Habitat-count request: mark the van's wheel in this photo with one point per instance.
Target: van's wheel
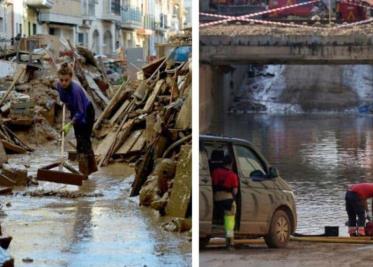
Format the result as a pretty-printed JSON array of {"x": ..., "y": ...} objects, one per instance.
[
  {"x": 279, "y": 232},
  {"x": 203, "y": 242}
]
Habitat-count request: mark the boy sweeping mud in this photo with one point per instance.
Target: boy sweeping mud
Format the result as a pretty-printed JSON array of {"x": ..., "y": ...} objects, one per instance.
[{"x": 82, "y": 117}]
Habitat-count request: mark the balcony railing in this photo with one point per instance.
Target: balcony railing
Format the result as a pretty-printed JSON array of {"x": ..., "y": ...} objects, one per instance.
[
  {"x": 111, "y": 10},
  {"x": 162, "y": 24},
  {"x": 89, "y": 8},
  {"x": 131, "y": 18},
  {"x": 40, "y": 3},
  {"x": 149, "y": 22}
]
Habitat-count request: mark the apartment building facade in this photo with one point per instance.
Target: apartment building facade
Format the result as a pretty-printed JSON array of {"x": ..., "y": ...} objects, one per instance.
[
  {"x": 100, "y": 25},
  {"x": 6, "y": 27}
]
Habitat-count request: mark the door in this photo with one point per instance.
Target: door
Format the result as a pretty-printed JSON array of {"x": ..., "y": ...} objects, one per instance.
[
  {"x": 256, "y": 196},
  {"x": 205, "y": 195}
]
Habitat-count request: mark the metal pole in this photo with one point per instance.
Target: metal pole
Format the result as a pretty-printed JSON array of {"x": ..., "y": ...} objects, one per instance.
[
  {"x": 62, "y": 137},
  {"x": 330, "y": 12}
]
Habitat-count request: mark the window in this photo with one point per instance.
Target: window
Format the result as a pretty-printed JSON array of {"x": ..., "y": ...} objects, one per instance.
[
  {"x": 248, "y": 161},
  {"x": 115, "y": 7},
  {"x": 92, "y": 8},
  {"x": 81, "y": 38},
  {"x": 34, "y": 29}
]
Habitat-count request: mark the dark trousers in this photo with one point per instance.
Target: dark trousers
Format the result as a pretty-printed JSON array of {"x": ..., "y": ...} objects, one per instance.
[
  {"x": 355, "y": 207},
  {"x": 220, "y": 208},
  {"x": 83, "y": 133}
]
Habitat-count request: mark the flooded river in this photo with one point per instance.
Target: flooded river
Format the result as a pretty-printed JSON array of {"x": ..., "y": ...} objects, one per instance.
[
  {"x": 317, "y": 154},
  {"x": 107, "y": 230}
]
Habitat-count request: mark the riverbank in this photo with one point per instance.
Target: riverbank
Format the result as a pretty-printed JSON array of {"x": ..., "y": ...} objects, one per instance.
[{"x": 297, "y": 254}]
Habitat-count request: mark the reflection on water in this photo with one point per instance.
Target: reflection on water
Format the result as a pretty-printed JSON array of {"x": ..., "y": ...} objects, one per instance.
[
  {"x": 317, "y": 154},
  {"x": 111, "y": 230}
]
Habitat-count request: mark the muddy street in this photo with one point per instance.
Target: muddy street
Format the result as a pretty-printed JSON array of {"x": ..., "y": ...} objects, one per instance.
[
  {"x": 96, "y": 224},
  {"x": 295, "y": 255}
]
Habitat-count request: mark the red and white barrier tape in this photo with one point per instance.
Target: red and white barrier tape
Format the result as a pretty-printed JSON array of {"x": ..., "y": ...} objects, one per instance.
[
  {"x": 353, "y": 24},
  {"x": 357, "y": 3},
  {"x": 275, "y": 23},
  {"x": 233, "y": 18}
]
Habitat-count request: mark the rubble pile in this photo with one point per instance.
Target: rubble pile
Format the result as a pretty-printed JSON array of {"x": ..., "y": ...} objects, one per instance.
[
  {"x": 145, "y": 122},
  {"x": 148, "y": 122}
]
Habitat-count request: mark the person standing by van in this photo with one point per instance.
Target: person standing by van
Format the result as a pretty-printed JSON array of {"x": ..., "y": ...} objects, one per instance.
[
  {"x": 225, "y": 185},
  {"x": 357, "y": 206}
]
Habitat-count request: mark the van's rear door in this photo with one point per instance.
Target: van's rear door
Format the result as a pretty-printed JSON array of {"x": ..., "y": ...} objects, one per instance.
[{"x": 205, "y": 195}]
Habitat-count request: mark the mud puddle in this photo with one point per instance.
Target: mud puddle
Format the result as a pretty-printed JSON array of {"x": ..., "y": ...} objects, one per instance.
[{"x": 96, "y": 224}]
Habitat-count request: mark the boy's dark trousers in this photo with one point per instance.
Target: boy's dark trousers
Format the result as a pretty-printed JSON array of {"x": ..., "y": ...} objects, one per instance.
[{"x": 83, "y": 132}]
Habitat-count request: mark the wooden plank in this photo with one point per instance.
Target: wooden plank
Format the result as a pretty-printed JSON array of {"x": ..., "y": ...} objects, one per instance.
[
  {"x": 123, "y": 135},
  {"x": 181, "y": 193},
  {"x": 129, "y": 143},
  {"x": 150, "y": 68},
  {"x": 122, "y": 132},
  {"x": 5, "y": 190},
  {"x": 151, "y": 99},
  {"x": 93, "y": 85},
  {"x": 119, "y": 94},
  {"x": 184, "y": 117},
  {"x": 12, "y": 148},
  {"x": 119, "y": 112},
  {"x": 139, "y": 145},
  {"x": 15, "y": 138},
  {"x": 6, "y": 181},
  {"x": 59, "y": 177},
  {"x": 104, "y": 144}
]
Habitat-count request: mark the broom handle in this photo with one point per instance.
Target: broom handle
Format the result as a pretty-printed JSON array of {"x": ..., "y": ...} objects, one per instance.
[{"x": 63, "y": 134}]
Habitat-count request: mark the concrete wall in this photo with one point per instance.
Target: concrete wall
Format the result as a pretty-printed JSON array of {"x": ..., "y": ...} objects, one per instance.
[
  {"x": 67, "y": 7},
  {"x": 205, "y": 97},
  {"x": 347, "y": 54},
  {"x": 217, "y": 87}
]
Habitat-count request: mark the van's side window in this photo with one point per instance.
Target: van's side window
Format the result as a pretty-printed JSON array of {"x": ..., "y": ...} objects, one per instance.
[{"x": 247, "y": 161}]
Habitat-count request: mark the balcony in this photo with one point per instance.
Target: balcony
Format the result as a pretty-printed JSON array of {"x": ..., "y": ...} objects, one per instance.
[
  {"x": 40, "y": 4},
  {"x": 162, "y": 24},
  {"x": 88, "y": 9},
  {"x": 111, "y": 10},
  {"x": 149, "y": 22},
  {"x": 131, "y": 18}
]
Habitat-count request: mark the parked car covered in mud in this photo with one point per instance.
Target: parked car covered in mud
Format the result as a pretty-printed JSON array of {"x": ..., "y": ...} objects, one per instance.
[{"x": 265, "y": 202}]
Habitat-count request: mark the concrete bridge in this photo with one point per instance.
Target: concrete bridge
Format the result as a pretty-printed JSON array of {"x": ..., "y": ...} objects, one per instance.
[
  {"x": 224, "y": 48},
  {"x": 224, "y": 44}
]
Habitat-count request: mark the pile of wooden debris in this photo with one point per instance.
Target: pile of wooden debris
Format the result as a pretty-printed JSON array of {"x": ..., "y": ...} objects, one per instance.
[{"x": 148, "y": 122}]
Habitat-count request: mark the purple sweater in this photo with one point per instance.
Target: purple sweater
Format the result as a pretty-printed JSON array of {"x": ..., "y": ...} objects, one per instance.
[{"x": 76, "y": 101}]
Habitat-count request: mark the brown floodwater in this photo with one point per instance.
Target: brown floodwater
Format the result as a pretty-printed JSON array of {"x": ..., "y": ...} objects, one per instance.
[{"x": 109, "y": 230}]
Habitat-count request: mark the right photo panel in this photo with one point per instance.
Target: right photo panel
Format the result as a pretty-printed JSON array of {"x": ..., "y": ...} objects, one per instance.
[{"x": 286, "y": 133}]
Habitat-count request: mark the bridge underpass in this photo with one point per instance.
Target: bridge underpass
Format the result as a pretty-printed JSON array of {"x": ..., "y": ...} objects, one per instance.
[{"x": 223, "y": 46}]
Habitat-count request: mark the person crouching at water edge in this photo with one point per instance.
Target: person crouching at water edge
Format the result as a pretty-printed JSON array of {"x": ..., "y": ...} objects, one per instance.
[
  {"x": 357, "y": 206},
  {"x": 82, "y": 117}
]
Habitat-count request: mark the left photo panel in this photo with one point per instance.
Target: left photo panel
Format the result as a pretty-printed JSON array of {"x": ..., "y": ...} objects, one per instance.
[{"x": 96, "y": 133}]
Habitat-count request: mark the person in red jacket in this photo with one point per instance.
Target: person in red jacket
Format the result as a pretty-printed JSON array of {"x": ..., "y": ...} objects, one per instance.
[
  {"x": 357, "y": 206},
  {"x": 225, "y": 185}
]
